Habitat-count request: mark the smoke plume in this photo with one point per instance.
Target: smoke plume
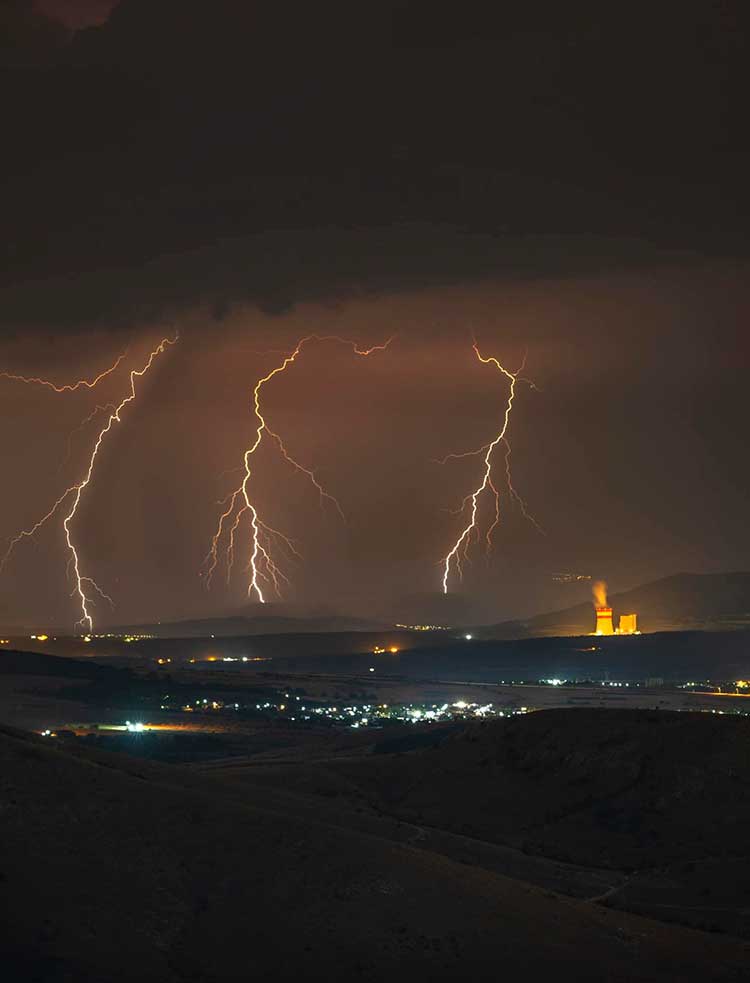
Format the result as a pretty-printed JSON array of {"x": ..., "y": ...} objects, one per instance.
[{"x": 599, "y": 590}]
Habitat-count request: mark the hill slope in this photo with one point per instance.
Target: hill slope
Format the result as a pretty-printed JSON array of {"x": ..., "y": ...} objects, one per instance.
[
  {"x": 654, "y": 797},
  {"x": 620, "y": 788},
  {"x": 101, "y": 850},
  {"x": 14, "y": 662}
]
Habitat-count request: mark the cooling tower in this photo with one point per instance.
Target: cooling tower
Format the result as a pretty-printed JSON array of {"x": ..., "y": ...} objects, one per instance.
[
  {"x": 604, "y": 621},
  {"x": 628, "y": 624}
]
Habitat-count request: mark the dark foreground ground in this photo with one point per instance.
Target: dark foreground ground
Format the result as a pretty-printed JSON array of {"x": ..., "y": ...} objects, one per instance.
[{"x": 507, "y": 850}]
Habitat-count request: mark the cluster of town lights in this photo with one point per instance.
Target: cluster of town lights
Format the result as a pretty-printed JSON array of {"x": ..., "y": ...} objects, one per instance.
[{"x": 354, "y": 715}]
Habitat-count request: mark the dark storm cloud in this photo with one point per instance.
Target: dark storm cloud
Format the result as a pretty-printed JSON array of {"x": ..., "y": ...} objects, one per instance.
[
  {"x": 76, "y": 14},
  {"x": 276, "y": 271},
  {"x": 185, "y": 128},
  {"x": 26, "y": 38}
]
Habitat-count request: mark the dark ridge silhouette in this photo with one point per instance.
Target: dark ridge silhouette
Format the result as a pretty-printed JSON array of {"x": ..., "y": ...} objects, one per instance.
[
  {"x": 237, "y": 625},
  {"x": 22, "y": 663}
]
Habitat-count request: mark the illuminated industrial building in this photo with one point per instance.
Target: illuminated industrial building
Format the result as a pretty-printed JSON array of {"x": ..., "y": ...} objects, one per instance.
[
  {"x": 628, "y": 624},
  {"x": 604, "y": 620}
]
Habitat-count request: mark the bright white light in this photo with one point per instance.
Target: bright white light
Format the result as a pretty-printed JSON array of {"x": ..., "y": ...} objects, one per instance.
[{"x": 468, "y": 637}]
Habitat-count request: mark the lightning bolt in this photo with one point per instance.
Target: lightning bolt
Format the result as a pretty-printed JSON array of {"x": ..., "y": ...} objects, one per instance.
[
  {"x": 74, "y": 492},
  {"x": 68, "y": 387},
  {"x": 81, "y": 426},
  {"x": 514, "y": 494},
  {"x": 261, "y": 565},
  {"x": 460, "y": 550}
]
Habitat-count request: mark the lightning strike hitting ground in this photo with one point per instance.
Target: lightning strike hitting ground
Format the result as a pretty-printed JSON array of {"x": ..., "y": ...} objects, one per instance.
[
  {"x": 68, "y": 387},
  {"x": 261, "y": 565},
  {"x": 460, "y": 549},
  {"x": 75, "y": 491}
]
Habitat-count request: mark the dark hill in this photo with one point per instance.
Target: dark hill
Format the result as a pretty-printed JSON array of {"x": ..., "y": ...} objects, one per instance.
[
  {"x": 115, "y": 869},
  {"x": 617, "y": 788},
  {"x": 682, "y": 602},
  {"x": 15, "y": 663}
]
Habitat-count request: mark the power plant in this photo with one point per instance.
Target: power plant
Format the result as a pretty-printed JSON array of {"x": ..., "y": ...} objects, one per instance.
[
  {"x": 628, "y": 624},
  {"x": 604, "y": 621}
]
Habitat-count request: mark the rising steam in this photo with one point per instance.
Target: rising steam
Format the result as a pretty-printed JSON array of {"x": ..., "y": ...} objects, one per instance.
[{"x": 599, "y": 590}]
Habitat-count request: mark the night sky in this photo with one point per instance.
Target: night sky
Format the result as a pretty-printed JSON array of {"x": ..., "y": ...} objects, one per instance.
[{"x": 565, "y": 181}]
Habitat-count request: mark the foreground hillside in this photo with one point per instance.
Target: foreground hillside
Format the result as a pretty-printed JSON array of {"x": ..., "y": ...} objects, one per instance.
[
  {"x": 621, "y": 788},
  {"x": 117, "y": 869},
  {"x": 658, "y": 799}
]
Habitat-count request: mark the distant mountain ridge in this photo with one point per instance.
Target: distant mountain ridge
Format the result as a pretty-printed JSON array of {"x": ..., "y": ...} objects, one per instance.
[
  {"x": 683, "y": 601},
  {"x": 680, "y": 602},
  {"x": 239, "y": 625}
]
